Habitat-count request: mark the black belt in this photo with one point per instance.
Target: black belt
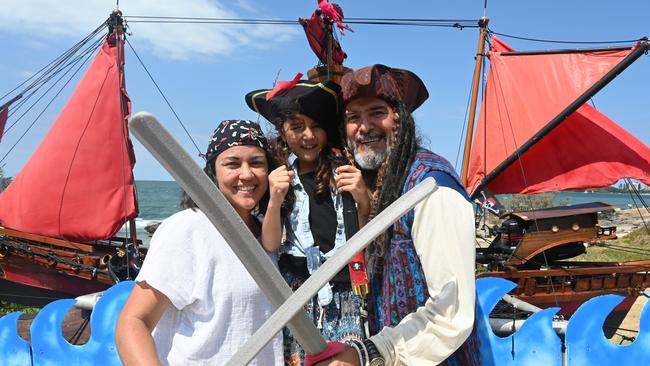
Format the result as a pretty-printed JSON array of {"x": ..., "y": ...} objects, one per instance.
[{"x": 298, "y": 267}]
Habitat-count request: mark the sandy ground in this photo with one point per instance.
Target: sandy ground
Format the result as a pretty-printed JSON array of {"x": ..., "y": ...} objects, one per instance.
[{"x": 629, "y": 328}]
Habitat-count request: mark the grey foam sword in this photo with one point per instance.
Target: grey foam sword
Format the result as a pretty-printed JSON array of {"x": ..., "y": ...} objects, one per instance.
[{"x": 192, "y": 179}]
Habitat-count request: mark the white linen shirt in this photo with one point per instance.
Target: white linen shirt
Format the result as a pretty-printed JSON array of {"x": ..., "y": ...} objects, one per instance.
[{"x": 216, "y": 305}]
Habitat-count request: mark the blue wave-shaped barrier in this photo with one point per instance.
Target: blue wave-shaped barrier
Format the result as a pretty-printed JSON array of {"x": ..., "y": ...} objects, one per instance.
[
  {"x": 49, "y": 348},
  {"x": 535, "y": 343}
]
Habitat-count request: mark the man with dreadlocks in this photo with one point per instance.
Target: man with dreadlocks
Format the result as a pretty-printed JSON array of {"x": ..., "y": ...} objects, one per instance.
[{"x": 421, "y": 301}]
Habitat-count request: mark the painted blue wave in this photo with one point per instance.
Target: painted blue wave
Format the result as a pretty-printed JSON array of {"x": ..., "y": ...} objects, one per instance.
[
  {"x": 536, "y": 343},
  {"x": 49, "y": 348}
]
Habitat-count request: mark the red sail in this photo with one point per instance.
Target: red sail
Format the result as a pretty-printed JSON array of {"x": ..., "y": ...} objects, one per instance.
[
  {"x": 523, "y": 94},
  {"x": 78, "y": 185}
]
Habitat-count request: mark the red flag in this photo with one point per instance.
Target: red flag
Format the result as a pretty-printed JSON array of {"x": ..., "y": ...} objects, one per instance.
[
  {"x": 4, "y": 114},
  {"x": 317, "y": 37},
  {"x": 525, "y": 92}
]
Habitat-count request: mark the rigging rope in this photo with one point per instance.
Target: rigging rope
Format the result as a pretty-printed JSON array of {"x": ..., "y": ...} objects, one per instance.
[
  {"x": 643, "y": 203},
  {"x": 72, "y": 62},
  {"x": 561, "y": 41},
  {"x": 163, "y": 96},
  {"x": 56, "y": 62},
  {"x": 87, "y": 57},
  {"x": 416, "y": 22},
  {"x": 413, "y": 22}
]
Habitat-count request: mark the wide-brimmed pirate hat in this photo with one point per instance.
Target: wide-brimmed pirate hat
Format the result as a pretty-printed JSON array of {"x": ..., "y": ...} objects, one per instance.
[
  {"x": 385, "y": 82},
  {"x": 321, "y": 101}
]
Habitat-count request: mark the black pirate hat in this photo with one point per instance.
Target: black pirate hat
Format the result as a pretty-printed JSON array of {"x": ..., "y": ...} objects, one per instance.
[{"x": 321, "y": 101}]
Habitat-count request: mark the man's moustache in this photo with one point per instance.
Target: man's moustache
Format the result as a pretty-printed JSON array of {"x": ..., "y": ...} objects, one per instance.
[{"x": 369, "y": 136}]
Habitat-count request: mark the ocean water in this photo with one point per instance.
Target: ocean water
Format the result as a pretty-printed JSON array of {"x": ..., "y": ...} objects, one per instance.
[
  {"x": 157, "y": 200},
  {"x": 160, "y": 199},
  {"x": 621, "y": 200}
]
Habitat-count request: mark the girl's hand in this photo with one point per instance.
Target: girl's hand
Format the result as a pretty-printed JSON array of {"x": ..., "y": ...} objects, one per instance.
[
  {"x": 350, "y": 179},
  {"x": 279, "y": 183}
]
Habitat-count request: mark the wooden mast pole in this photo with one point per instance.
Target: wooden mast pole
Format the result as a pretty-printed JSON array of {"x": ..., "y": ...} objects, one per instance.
[
  {"x": 118, "y": 24},
  {"x": 483, "y": 23}
]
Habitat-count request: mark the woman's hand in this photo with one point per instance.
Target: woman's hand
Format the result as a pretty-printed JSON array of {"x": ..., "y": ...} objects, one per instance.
[
  {"x": 279, "y": 183},
  {"x": 350, "y": 179}
]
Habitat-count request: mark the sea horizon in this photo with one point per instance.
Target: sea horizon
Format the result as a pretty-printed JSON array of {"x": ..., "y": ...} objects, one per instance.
[{"x": 159, "y": 199}]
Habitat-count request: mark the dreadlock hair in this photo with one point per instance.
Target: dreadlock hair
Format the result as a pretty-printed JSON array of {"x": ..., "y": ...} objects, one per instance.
[
  {"x": 390, "y": 178},
  {"x": 188, "y": 202}
]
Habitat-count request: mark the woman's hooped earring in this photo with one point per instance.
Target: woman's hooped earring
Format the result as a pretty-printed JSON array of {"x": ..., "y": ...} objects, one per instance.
[
  {"x": 284, "y": 146},
  {"x": 396, "y": 117}
]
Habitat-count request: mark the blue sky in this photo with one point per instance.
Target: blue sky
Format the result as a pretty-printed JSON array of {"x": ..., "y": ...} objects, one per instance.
[{"x": 205, "y": 70}]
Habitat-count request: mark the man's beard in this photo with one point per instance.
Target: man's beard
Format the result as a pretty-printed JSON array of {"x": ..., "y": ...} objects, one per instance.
[{"x": 367, "y": 158}]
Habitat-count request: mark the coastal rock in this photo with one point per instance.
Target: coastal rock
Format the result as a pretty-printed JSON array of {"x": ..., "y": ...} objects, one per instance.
[{"x": 151, "y": 228}]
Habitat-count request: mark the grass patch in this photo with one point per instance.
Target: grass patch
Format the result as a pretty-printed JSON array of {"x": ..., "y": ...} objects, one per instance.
[
  {"x": 632, "y": 247},
  {"x": 7, "y": 307}
]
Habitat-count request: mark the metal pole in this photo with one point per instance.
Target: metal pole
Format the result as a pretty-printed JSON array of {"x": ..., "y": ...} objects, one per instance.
[
  {"x": 204, "y": 192},
  {"x": 331, "y": 267}
]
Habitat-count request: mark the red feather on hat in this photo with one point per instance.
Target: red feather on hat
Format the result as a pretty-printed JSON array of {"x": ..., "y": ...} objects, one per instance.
[{"x": 283, "y": 85}]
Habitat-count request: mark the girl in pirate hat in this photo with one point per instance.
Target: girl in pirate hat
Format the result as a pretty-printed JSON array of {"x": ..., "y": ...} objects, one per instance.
[{"x": 304, "y": 218}]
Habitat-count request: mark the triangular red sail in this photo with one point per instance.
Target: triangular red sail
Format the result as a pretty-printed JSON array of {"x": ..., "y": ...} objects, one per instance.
[
  {"x": 78, "y": 184},
  {"x": 523, "y": 94}
]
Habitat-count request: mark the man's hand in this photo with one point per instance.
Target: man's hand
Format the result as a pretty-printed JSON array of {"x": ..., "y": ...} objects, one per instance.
[
  {"x": 350, "y": 179},
  {"x": 349, "y": 357}
]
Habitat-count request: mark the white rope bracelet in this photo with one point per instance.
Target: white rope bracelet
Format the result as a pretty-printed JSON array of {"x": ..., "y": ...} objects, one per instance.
[{"x": 353, "y": 344}]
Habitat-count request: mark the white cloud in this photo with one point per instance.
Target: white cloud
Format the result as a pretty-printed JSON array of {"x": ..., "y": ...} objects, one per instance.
[{"x": 49, "y": 19}]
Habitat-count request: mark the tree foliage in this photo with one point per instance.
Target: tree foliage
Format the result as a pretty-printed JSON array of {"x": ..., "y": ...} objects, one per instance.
[
  {"x": 523, "y": 202},
  {"x": 4, "y": 182}
]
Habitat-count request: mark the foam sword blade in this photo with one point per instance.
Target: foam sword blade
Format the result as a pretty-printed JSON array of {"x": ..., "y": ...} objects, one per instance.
[
  {"x": 331, "y": 267},
  {"x": 160, "y": 143}
]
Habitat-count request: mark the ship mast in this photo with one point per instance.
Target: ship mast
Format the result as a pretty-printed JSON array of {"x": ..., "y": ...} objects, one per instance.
[
  {"x": 483, "y": 23},
  {"x": 116, "y": 27}
]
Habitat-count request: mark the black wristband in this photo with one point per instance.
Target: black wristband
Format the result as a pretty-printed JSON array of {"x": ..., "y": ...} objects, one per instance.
[{"x": 374, "y": 357}]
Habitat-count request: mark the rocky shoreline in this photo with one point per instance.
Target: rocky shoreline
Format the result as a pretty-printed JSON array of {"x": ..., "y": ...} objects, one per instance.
[{"x": 626, "y": 221}]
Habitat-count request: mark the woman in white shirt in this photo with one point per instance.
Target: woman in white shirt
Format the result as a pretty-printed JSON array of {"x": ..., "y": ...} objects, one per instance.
[{"x": 194, "y": 303}]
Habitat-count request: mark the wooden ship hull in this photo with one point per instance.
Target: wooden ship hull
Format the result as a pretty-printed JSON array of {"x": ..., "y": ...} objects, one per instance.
[
  {"x": 533, "y": 249},
  {"x": 37, "y": 270}
]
